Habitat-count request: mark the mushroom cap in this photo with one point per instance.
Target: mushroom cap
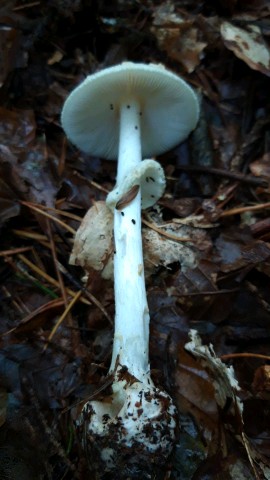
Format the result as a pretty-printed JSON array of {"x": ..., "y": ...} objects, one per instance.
[{"x": 169, "y": 109}]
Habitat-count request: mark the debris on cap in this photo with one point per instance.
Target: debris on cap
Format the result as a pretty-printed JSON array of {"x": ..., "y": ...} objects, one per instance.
[{"x": 149, "y": 176}]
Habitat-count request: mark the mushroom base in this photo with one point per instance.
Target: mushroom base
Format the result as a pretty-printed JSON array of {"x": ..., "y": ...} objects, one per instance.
[{"x": 130, "y": 432}]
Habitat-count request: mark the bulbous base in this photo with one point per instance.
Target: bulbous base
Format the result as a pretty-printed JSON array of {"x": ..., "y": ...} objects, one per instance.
[{"x": 130, "y": 432}]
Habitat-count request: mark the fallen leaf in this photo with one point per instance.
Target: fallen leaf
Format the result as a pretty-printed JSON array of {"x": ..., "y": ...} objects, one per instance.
[
  {"x": 93, "y": 244},
  {"x": 261, "y": 381},
  {"x": 55, "y": 58},
  {"x": 261, "y": 167},
  {"x": 17, "y": 128},
  {"x": 222, "y": 377},
  {"x": 226, "y": 390},
  {"x": 248, "y": 45},
  {"x": 178, "y": 37}
]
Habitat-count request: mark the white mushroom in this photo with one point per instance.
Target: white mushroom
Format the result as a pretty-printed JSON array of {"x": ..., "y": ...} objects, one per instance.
[
  {"x": 126, "y": 112},
  {"x": 96, "y": 114}
]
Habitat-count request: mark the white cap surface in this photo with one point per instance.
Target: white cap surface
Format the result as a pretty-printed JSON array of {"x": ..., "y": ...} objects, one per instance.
[{"x": 169, "y": 109}]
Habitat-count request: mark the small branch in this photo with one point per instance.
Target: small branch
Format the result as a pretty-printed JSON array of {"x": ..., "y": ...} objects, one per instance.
[
  {"x": 205, "y": 293},
  {"x": 86, "y": 292},
  {"x": 251, "y": 208},
  {"x": 228, "y": 356},
  {"x": 66, "y": 315},
  {"x": 164, "y": 233},
  {"x": 14, "y": 251},
  {"x": 91, "y": 182},
  {"x": 63, "y": 213},
  {"x": 241, "y": 177},
  {"x": 47, "y": 277},
  {"x": 27, "y": 5},
  {"x": 62, "y": 317},
  {"x": 54, "y": 219}
]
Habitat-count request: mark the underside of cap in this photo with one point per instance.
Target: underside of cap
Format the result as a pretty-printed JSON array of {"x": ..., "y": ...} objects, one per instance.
[{"x": 169, "y": 109}]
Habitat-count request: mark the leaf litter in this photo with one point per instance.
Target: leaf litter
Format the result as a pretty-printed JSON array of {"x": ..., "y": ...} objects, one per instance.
[{"x": 206, "y": 243}]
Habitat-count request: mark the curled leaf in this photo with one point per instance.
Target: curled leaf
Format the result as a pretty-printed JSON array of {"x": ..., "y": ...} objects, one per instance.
[{"x": 248, "y": 45}]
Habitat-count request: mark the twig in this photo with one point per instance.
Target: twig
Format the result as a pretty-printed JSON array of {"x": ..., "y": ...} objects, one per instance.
[
  {"x": 241, "y": 177},
  {"x": 228, "y": 356},
  {"x": 58, "y": 302},
  {"x": 55, "y": 219},
  {"x": 66, "y": 314},
  {"x": 62, "y": 158},
  {"x": 205, "y": 293},
  {"x": 55, "y": 261},
  {"x": 32, "y": 235},
  {"x": 16, "y": 301},
  {"x": 91, "y": 182},
  {"x": 58, "y": 211},
  {"x": 164, "y": 233},
  {"x": 251, "y": 208},
  {"x": 86, "y": 292},
  {"x": 62, "y": 318},
  {"x": 27, "y": 5},
  {"x": 14, "y": 251},
  {"x": 47, "y": 277}
]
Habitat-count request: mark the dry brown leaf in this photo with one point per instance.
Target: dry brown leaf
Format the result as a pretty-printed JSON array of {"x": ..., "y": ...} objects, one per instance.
[
  {"x": 55, "y": 58},
  {"x": 225, "y": 386},
  {"x": 248, "y": 45},
  {"x": 17, "y": 128},
  {"x": 261, "y": 381},
  {"x": 178, "y": 37},
  {"x": 261, "y": 167},
  {"x": 222, "y": 377},
  {"x": 93, "y": 244},
  {"x": 195, "y": 392}
]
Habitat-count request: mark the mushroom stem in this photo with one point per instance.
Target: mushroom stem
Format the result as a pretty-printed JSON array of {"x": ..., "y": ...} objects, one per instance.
[
  {"x": 129, "y": 153},
  {"x": 131, "y": 336},
  {"x": 134, "y": 427}
]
